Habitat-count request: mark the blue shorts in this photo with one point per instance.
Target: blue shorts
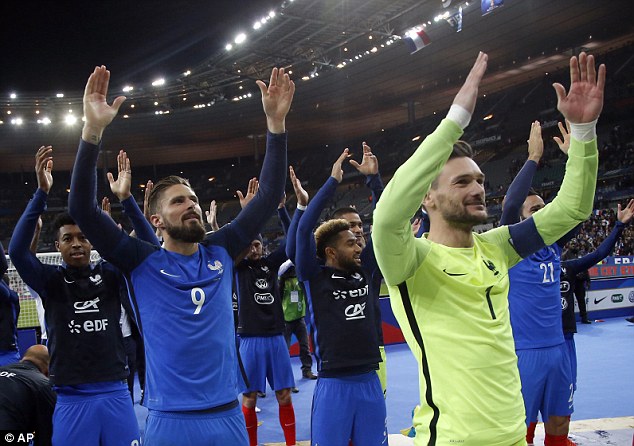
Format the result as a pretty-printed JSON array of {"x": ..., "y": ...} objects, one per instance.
[
  {"x": 572, "y": 354},
  {"x": 9, "y": 357},
  {"x": 266, "y": 358},
  {"x": 349, "y": 408},
  {"x": 95, "y": 419},
  {"x": 196, "y": 428},
  {"x": 546, "y": 381}
]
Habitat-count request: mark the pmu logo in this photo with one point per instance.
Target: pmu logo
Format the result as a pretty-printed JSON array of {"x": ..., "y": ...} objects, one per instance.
[
  {"x": 617, "y": 298},
  {"x": 343, "y": 294},
  {"x": 264, "y": 298},
  {"x": 564, "y": 286},
  {"x": 87, "y": 306},
  {"x": 355, "y": 311},
  {"x": 261, "y": 284}
]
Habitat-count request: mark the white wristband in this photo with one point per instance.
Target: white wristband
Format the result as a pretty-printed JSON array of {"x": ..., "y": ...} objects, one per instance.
[
  {"x": 459, "y": 115},
  {"x": 301, "y": 207},
  {"x": 584, "y": 132}
]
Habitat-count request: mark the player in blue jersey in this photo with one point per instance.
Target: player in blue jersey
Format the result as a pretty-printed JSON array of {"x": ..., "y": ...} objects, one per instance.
[
  {"x": 535, "y": 310},
  {"x": 343, "y": 313},
  {"x": 9, "y": 313},
  {"x": 82, "y": 303},
  {"x": 182, "y": 291}
]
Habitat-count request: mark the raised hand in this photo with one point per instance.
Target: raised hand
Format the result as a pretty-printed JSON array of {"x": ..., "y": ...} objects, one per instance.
[
  {"x": 277, "y": 99},
  {"x": 468, "y": 93},
  {"x": 625, "y": 215},
  {"x": 105, "y": 206},
  {"x": 97, "y": 112},
  {"x": 121, "y": 186},
  {"x": 337, "y": 170},
  {"x": 212, "y": 214},
  {"x": 369, "y": 164},
  {"x": 584, "y": 102},
  {"x": 44, "y": 168},
  {"x": 252, "y": 189},
  {"x": 300, "y": 193},
  {"x": 416, "y": 225},
  {"x": 282, "y": 201},
  {"x": 564, "y": 141},
  {"x": 535, "y": 142},
  {"x": 146, "y": 199}
]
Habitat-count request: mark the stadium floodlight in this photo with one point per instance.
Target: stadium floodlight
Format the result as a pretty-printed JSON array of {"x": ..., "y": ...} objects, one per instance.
[
  {"x": 128, "y": 88},
  {"x": 158, "y": 82},
  {"x": 13, "y": 95},
  {"x": 240, "y": 38},
  {"x": 70, "y": 119},
  {"x": 60, "y": 95},
  {"x": 257, "y": 25},
  {"x": 228, "y": 47}
]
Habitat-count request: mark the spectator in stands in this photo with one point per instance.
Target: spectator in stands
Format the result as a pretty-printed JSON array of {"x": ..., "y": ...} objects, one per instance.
[{"x": 9, "y": 313}]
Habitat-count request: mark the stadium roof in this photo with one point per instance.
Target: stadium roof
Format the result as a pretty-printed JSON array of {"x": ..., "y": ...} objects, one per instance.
[{"x": 360, "y": 76}]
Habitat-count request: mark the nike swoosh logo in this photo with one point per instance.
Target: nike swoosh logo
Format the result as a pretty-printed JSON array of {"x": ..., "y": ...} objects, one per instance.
[
  {"x": 596, "y": 301},
  {"x": 453, "y": 274},
  {"x": 168, "y": 274},
  {"x": 67, "y": 281},
  {"x": 334, "y": 276}
]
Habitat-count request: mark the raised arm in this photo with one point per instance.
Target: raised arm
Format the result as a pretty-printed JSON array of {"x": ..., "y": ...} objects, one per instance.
[
  {"x": 398, "y": 252},
  {"x": 624, "y": 216},
  {"x": 276, "y": 99},
  {"x": 4, "y": 265},
  {"x": 370, "y": 168},
  {"x": 518, "y": 190},
  {"x": 306, "y": 263},
  {"x": 581, "y": 106},
  {"x": 121, "y": 188},
  {"x": 302, "y": 202},
  {"x": 31, "y": 270},
  {"x": 112, "y": 244}
]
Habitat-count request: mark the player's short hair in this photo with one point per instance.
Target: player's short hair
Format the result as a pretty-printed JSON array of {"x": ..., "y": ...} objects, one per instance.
[
  {"x": 327, "y": 233},
  {"x": 531, "y": 191},
  {"x": 159, "y": 187},
  {"x": 461, "y": 149},
  {"x": 340, "y": 212},
  {"x": 62, "y": 219}
]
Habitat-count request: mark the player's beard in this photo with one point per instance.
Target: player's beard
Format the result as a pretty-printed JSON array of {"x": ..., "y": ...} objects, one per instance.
[
  {"x": 348, "y": 264},
  {"x": 457, "y": 213},
  {"x": 188, "y": 232}
]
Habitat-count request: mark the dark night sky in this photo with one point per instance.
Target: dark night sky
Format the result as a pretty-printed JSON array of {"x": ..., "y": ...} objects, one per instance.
[{"x": 53, "y": 45}]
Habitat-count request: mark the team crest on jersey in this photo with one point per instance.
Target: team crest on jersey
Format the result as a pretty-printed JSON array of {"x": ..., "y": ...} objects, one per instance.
[
  {"x": 261, "y": 284},
  {"x": 96, "y": 279},
  {"x": 217, "y": 266},
  {"x": 357, "y": 276},
  {"x": 564, "y": 303},
  {"x": 265, "y": 268}
]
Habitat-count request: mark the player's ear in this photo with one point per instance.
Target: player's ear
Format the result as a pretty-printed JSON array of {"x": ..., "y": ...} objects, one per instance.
[
  {"x": 331, "y": 253},
  {"x": 156, "y": 221},
  {"x": 57, "y": 245}
]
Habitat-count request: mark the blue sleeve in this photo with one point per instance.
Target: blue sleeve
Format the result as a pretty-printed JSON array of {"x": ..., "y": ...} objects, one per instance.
[
  {"x": 306, "y": 263},
  {"x": 31, "y": 270},
  {"x": 525, "y": 238},
  {"x": 375, "y": 184},
  {"x": 285, "y": 218},
  {"x": 368, "y": 259},
  {"x": 517, "y": 193},
  {"x": 8, "y": 295},
  {"x": 424, "y": 224},
  {"x": 143, "y": 229},
  {"x": 236, "y": 236},
  {"x": 604, "y": 250},
  {"x": 4, "y": 265},
  {"x": 279, "y": 256},
  {"x": 114, "y": 245},
  {"x": 291, "y": 235}
]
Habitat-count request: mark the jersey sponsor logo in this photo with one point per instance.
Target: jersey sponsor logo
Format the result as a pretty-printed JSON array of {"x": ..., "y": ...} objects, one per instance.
[
  {"x": 564, "y": 303},
  {"x": 167, "y": 274},
  {"x": 564, "y": 286},
  {"x": 264, "y": 298},
  {"x": 355, "y": 311},
  {"x": 7, "y": 374},
  {"x": 217, "y": 266},
  {"x": 261, "y": 284},
  {"x": 88, "y": 326},
  {"x": 453, "y": 274},
  {"x": 86, "y": 306},
  {"x": 344, "y": 294},
  {"x": 96, "y": 280},
  {"x": 617, "y": 298},
  {"x": 596, "y": 301}
]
